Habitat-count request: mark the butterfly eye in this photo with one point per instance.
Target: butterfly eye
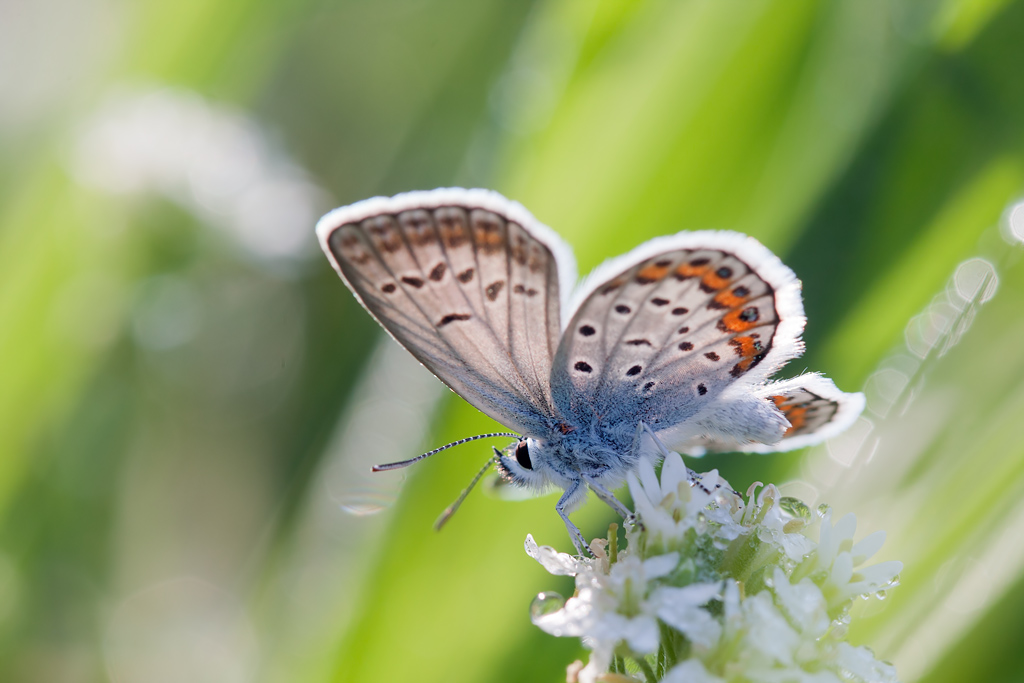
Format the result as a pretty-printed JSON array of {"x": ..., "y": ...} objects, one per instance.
[{"x": 523, "y": 456}]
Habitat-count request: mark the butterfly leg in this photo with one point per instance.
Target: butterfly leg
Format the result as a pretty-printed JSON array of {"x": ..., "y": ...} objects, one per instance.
[
  {"x": 562, "y": 509},
  {"x": 641, "y": 428},
  {"x": 613, "y": 502}
]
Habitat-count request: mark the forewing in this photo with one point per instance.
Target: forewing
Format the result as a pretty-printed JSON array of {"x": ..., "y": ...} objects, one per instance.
[
  {"x": 469, "y": 283},
  {"x": 662, "y": 331},
  {"x": 815, "y": 408}
]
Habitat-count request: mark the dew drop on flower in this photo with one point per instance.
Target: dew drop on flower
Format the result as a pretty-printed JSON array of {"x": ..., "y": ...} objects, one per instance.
[
  {"x": 794, "y": 507},
  {"x": 547, "y": 602},
  {"x": 824, "y": 509}
]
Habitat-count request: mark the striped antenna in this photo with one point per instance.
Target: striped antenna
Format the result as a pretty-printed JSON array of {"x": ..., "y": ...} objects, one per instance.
[
  {"x": 410, "y": 461},
  {"x": 450, "y": 510}
]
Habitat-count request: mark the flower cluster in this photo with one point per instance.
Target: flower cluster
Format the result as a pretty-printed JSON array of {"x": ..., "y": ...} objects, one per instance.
[{"x": 712, "y": 588}]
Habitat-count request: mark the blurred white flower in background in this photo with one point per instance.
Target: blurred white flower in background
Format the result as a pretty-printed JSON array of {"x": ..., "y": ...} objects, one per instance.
[{"x": 210, "y": 159}]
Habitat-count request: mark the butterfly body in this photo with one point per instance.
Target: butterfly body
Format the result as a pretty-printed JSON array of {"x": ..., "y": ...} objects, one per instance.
[{"x": 668, "y": 346}]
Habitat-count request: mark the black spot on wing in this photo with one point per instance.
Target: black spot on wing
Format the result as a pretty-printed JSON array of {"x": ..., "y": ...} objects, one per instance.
[
  {"x": 494, "y": 289},
  {"x": 519, "y": 289},
  {"x": 453, "y": 317},
  {"x": 412, "y": 281}
]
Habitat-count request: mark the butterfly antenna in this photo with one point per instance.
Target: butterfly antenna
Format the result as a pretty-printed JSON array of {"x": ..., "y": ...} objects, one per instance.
[
  {"x": 450, "y": 510},
  {"x": 410, "y": 461}
]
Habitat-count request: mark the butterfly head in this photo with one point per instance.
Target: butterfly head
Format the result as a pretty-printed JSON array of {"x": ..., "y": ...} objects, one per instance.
[{"x": 523, "y": 464}]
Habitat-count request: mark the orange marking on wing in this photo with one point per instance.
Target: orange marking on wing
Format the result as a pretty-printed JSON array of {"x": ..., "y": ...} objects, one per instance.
[
  {"x": 729, "y": 300},
  {"x": 489, "y": 239},
  {"x": 652, "y": 272},
  {"x": 749, "y": 350},
  {"x": 384, "y": 236},
  {"x": 733, "y": 321},
  {"x": 685, "y": 270},
  {"x": 454, "y": 232},
  {"x": 712, "y": 280},
  {"x": 797, "y": 418}
]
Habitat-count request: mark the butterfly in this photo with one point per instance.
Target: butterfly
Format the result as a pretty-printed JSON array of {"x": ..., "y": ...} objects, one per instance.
[{"x": 668, "y": 347}]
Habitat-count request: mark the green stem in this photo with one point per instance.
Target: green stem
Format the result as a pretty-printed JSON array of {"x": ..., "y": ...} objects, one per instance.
[{"x": 649, "y": 674}]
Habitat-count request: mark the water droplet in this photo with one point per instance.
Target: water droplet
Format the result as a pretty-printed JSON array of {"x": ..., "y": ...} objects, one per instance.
[
  {"x": 824, "y": 509},
  {"x": 794, "y": 507},
  {"x": 547, "y": 602},
  {"x": 882, "y": 595}
]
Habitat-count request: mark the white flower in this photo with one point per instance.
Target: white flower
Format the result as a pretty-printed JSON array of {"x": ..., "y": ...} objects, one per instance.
[
  {"x": 838, "y": 557},
  {"x": 609, "y": 608},
  {"x": 719, "y": 588},
  {"x": 681, "y": 608},
  {"x": 802, "y": 603},
  {"x": 674, "y": 505},
  {"x": 773, "y": 524}
]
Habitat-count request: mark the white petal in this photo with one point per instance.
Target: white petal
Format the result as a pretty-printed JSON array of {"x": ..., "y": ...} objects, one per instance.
[
  {"x": 846, "y": 527},
  {"x": 659, "y": 566},
  {"x": 693, "y": 622},
  {"x": 768, "y": 631},
  {"x": 796, "y": 546},
  {"x": 559, "y": 564},
  {"x": 650, "y": 481},
  {"x": 696, "y": 594},
  {"x": 862, "y": 663},
  {"x": 600, "y": 660},
  {"x": 803, "y": 603},
  {"x": 867, "y": 547},
  {"x": 690, "y": 671},
  {"x": 577, "y": 618},
  {"x": 842, "y": 570},
  {"x": 673, "y": 471},
  {"x": 641, "y": 502},
  {"x": 642, "y": 634},
  {"x": 881, "y": 573}
]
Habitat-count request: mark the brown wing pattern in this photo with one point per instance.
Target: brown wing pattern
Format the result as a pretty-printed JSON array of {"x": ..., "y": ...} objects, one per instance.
[
  {"x": 471, "y": 293},
  {"x": 672, "y": 328},
  {"x": 814, "y": 407}
]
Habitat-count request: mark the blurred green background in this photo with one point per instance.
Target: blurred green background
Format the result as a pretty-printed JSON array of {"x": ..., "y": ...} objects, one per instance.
[{"x": 190, "y": 398}]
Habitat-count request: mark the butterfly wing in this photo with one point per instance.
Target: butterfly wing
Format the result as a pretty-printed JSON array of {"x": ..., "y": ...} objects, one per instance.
[
  {"x": 673, "y": 332},
  {"x": 469, "y": 282},
  {"x": 814, "y": 407}
]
